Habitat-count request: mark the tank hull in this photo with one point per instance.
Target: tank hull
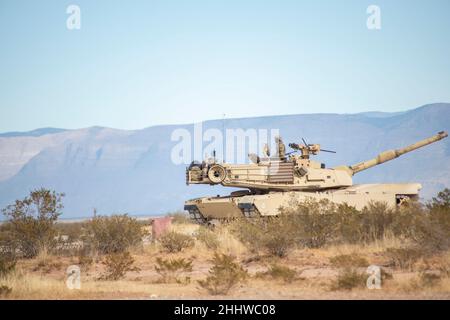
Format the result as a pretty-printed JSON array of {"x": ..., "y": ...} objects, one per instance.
[{"x": 211, "y": 209}]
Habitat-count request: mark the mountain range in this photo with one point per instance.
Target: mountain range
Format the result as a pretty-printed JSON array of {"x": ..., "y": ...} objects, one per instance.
[{"x": 131, "y": 171}]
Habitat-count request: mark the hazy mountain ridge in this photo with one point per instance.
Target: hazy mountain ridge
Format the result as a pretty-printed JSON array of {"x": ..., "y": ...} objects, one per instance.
[
  {"x": 131, "y": 171},
  {"x": 33, "y": 133}
]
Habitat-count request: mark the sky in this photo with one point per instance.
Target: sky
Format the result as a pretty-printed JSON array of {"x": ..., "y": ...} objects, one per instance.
[{"x": 135, "y": 64}]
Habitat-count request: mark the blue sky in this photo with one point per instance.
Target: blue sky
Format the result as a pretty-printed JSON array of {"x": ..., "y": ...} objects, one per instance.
[{"x": 135, "y": 64}]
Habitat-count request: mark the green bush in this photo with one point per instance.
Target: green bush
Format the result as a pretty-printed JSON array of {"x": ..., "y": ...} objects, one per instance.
[
  {"x": 31, "y": 222},
  {"x": 223, "y": 275},
  {"x": 175, "y": 242},
  {"x": 113, "y": 234},
  {"x": 117, "y": 265},
  {"x": 171, "y": 270}
]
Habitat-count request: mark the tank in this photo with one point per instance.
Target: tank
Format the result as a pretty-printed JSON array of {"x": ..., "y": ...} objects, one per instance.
[{"x": 269, "y": 182}]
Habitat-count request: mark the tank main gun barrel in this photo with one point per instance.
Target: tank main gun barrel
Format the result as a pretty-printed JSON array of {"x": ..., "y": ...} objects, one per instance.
[{"x": 392, "y": 154}]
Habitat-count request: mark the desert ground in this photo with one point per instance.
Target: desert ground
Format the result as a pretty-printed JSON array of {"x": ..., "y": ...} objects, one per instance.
[{"x": 314, "y": 277}]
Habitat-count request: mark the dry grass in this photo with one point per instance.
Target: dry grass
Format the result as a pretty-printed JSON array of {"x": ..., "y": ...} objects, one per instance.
[
  {"x": 229, "y": 244},
  {"x": 311, "y": 265}
]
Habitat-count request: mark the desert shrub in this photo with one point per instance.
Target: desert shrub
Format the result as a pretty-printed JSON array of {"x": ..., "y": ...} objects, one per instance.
[
  {"x": 175, "y": 242},
  {"x": 444, "y": 268},
  {"x": 349, "y": 261},
  {"x": 85, "y": 261},
  {"x": 441, "y": 201},
  {"x": 313, "y": 222},
  {"x": 180, "y": 217},
  {"x": 5, "y": 291},
  {"x": 321, "y": 222},
  {"x": 46, "y": 263},
  {"x": 72, "y": 230},
  {"x": 7, "y": 264},
  {"x": 47, "y": 266},
  {"x": 347, "y": 221},
  {"x": 318, "y": 223},
  {"x": 172, "y": 270},
  {"x": 385, "y": 275},
  {"x": 275, "y": 235},
  {"x": 348, "y": 279},
  {"x": 7, "y": 243},
  {"x": 113, "y": 234},
  {"x": 429, "y": 279},
  {"x": 250, "y": 233},
  {"x": 117, "y": 265},
  {"x": 32, "y": 221},
  {"x": 277, "y": 271},
  {"x": 223, "y": 275},
  {"x": 404, "y": 258},
  {"x": 429, "y": 227},
  {"x": 376, "y": 221},
  {"x": 279, "y": 244},
  {"x": 208, "y": 238},
  {"x": 428, "y": 234}
]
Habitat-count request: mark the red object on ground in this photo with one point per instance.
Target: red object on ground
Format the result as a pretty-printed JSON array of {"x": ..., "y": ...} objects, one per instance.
[{"x": 160, "y": 226}]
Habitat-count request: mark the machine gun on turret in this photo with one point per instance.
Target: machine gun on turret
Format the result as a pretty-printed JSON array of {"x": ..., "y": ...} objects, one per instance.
[{"x": 307, "y": 149}]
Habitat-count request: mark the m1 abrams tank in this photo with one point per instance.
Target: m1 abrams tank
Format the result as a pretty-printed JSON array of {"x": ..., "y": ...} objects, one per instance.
[{"x": 271, "y": 182}]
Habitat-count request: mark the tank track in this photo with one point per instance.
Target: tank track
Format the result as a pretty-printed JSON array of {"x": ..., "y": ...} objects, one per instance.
[
  {"x": 251, "y": 213},
  {"x": 196, "y": 216}
]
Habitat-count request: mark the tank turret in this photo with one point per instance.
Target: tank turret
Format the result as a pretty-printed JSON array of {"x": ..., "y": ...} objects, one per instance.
[{"x": 291, "y": 171}]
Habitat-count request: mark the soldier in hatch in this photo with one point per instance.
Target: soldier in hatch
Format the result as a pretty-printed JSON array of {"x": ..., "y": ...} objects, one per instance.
[{"x": 281, "y": 148}]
